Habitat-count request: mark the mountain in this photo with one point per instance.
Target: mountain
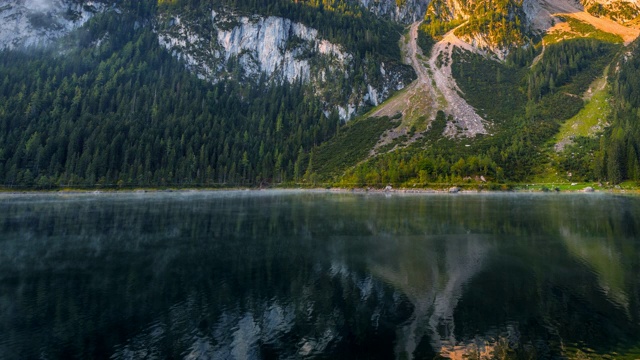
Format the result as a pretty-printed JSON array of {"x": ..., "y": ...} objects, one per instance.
[
  {"x": 403, "y": 11},
  {"x": 624, "y": 12},
  {"x": 214, "y": 41},
  {"x": 348, "y": 92},
  {"x": 39, "y": 22}
]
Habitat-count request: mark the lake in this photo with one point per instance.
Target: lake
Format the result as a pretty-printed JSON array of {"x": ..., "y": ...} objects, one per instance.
[{"x": 312, "y": 274}]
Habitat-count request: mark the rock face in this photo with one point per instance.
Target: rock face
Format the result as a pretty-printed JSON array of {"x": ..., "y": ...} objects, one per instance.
[
  {"x": 502, "y": 28},
  {"x": 264, "y": 45},
  {"x": 622, "y": 11},
  {"x": 274, "y": 49},
  {"x": 27, "y": 23},
  {"x": 448, "y": 10},
  {"x": 407, "y": 12},
  {"x": 536, "y": 16}
]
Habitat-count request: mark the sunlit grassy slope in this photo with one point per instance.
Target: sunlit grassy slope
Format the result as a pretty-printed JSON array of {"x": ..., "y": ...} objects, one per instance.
[{"x": 589, "y": 120}]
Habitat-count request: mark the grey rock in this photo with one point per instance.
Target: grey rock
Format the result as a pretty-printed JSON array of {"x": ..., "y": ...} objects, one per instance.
[
  {"x": 408, "y": 12},
  {"x": 276, "y": 47},
  {"x": 31, "y": 23}
]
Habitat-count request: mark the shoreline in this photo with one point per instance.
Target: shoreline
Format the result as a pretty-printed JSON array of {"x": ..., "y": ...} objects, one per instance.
[{"x": 449, "y": 190}]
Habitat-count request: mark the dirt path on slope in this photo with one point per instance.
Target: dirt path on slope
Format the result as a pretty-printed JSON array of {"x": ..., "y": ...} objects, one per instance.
[
  {"x": 434, "y": 89},
  {"x": 466, "y": 120},
  {"x": 563, "y": 7},
  {"x": 538, "y": 57},
  {"x": 423, "y": 74},
  {"x": 400, "y": 103},
  {"x": 417, "y": 103}
]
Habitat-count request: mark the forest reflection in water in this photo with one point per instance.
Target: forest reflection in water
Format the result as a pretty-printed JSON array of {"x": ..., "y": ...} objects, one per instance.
[{"x": 283, "y": 274}]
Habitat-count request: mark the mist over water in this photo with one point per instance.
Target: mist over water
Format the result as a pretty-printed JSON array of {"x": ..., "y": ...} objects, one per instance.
[{"x": 253, "y": 275}]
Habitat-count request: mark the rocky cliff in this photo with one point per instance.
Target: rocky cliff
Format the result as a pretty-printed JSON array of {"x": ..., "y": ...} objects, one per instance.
[
  {"x": 226, "y": 45},
  {"x": 450, "y": 10},
  {"x": 622, "y": 11},
  {"x": 405, "y": 11},
  {"x": 276, "y": 47},
  {"x": 222, "y": 45},
  {"x": 495, "y": 26},
  {"x": 38, "y": 22}
]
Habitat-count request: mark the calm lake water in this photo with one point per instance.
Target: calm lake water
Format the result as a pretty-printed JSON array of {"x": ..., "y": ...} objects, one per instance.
[{"x": 288, "y": 275}]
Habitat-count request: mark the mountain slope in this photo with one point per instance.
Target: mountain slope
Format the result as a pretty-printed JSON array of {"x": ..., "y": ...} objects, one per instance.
[
  {"x": 125, "y": 112},
  {"x": 555, "y": 8},
  {"x": 405, "y": 11},
  {"x": 200, "y": 93},
  {"x": 215, "y": 43},
  {"x": 37, "y": 22},
  {"x": 435, "y": 89},
  {"x": 624, "y": 12},
  {"x": 523, "y": 100}
]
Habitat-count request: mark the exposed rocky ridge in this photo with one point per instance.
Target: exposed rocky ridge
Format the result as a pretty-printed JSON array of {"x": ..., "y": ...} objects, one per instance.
[
  {"x": 220, "y": 45},
  {"x": 546, "y": 14},
  {"x": 435, "y": 89},
  {"x": 227, "y": 45},
  {"x": 501, "y": 25},
  {"x": 407, "y": 12},
  {"x": 449, "y": 10},
  {"x": 277, "y": 47},
  {"x": 621, "y": 11},
  {"x": 27, "y": 23},
  {"x": 541, "y": 14},
  {"x": 494, "y": 27},
  {"x": 538, "y": 18}
]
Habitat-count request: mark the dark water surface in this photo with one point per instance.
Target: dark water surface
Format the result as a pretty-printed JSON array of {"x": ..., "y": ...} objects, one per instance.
[{"x": 288, "y": 275}]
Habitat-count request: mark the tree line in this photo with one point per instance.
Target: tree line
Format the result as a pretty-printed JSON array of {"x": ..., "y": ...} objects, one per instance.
[
  {"x": 522, "y": 121},
  {"x": 126, "y": 112},
  {"x": 118, "y": 109},
  {"x": 619, "y": 157}
]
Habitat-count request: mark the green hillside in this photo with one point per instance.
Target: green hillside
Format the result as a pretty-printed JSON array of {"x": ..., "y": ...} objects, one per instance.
[
  {"x": 527, "y": 106},
  {"x": 127, "y": 113},
  {"x": 108, "y": 106}
]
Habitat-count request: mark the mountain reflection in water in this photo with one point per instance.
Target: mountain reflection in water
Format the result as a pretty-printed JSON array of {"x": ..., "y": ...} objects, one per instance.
[{"x": 252, "y": 275}]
